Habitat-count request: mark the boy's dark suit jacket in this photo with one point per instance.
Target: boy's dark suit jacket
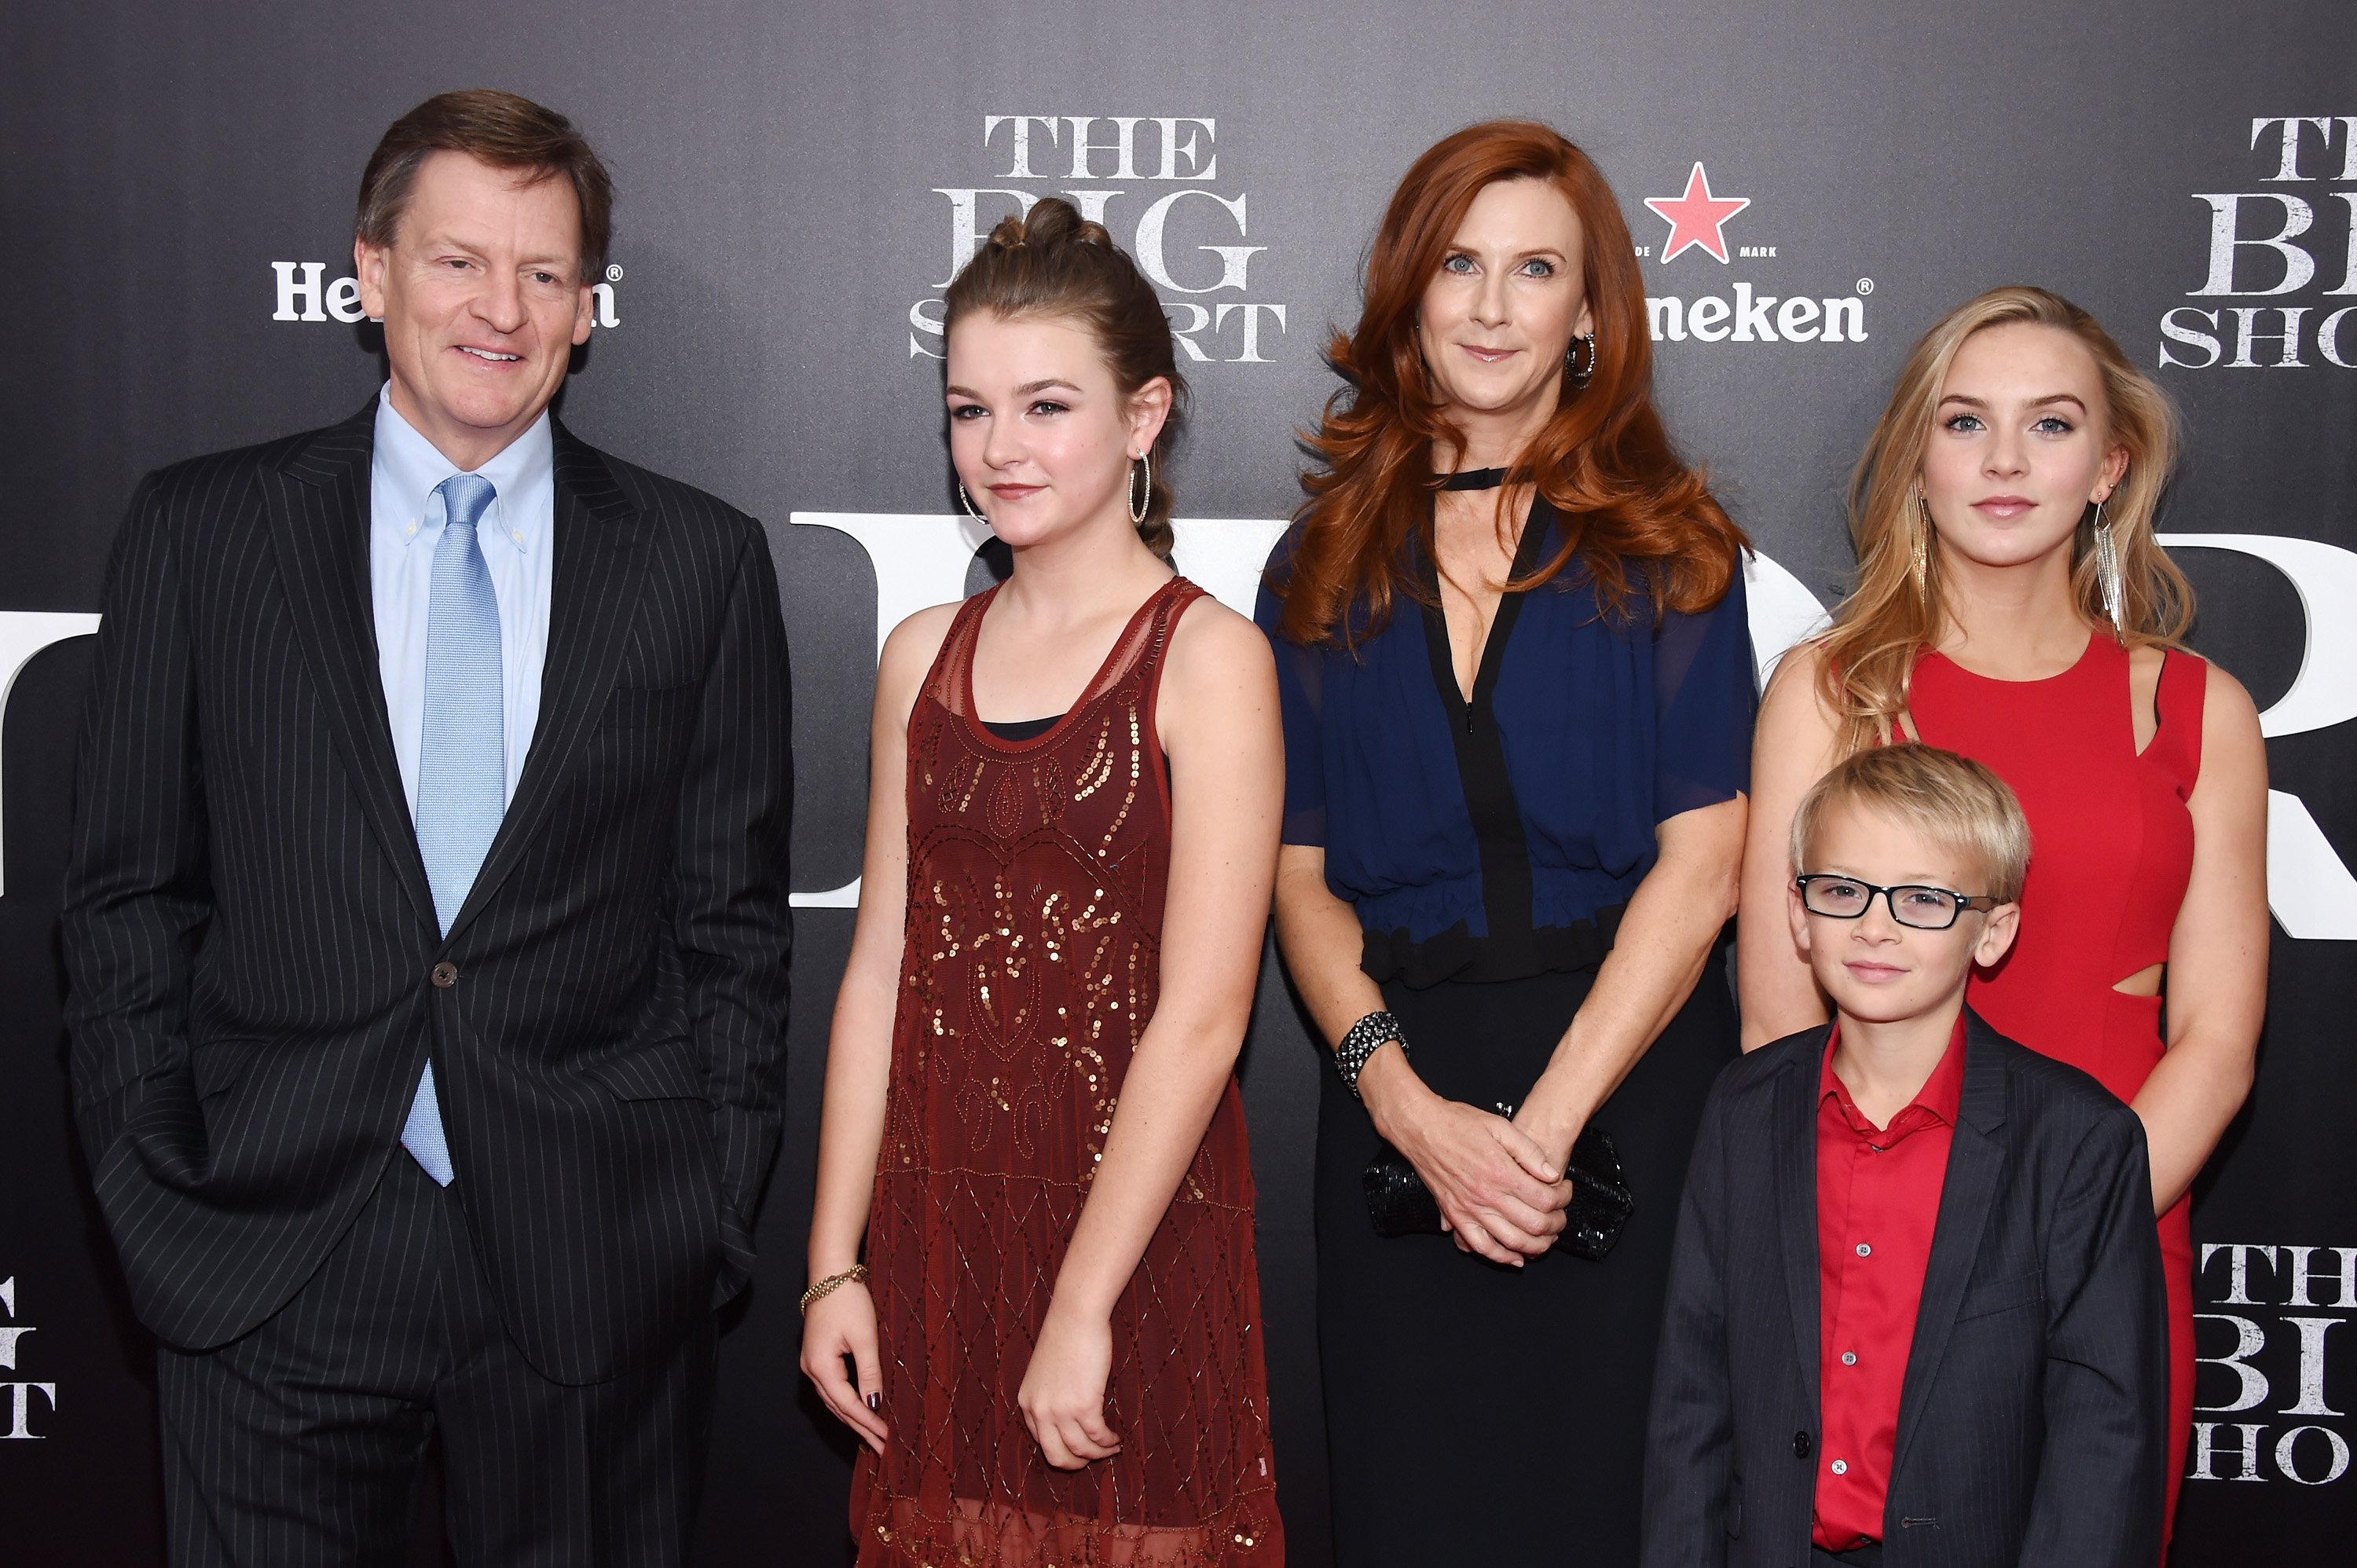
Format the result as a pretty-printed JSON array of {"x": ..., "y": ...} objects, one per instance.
[
  {"x": 258, "y": 976},
  {"x": 2032, "y": 1422}
]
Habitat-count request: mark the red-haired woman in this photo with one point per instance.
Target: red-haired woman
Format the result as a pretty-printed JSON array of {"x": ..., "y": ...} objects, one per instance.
[{"x": 1517, "y": 690}]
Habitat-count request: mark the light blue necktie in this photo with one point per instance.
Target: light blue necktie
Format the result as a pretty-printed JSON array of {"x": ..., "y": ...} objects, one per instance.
[{"x": 462, "y": 765}]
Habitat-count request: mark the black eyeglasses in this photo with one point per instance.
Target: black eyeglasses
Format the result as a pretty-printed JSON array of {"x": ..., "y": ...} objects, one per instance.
[{"x": 1924, "y": 908}]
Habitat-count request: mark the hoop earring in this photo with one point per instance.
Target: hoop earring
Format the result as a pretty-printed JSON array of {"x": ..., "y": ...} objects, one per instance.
[
  {"x": 1571, "y": 363},
  {"x": 1137, "y": 505},
  {"x": 2107, "y": 573},
  {"x": 1921, "y": 565},
  {"x": 968, "y": 502}
]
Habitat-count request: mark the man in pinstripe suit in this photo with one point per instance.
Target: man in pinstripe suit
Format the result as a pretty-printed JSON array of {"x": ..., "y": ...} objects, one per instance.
[{"x": 426, "y": 922}]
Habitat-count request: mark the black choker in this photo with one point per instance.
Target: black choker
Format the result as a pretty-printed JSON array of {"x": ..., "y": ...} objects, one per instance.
[{"x": 1475, "y": 480}]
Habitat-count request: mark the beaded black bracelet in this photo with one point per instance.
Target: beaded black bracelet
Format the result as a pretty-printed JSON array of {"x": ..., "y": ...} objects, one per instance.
[{"x": 1363, "y": 1040}]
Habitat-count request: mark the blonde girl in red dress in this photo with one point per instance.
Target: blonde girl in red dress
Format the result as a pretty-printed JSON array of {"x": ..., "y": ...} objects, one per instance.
[
  {"x": 2013, "y": 605},
  {"x": 1050, "y": 1343}
]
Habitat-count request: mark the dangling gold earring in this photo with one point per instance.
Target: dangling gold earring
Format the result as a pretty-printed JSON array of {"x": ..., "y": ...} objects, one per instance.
[
  {"x": 1921, "y": 552},
  {"x": 968, "y": 502},
  {"x": 1137, "y": 504},
  {"x": 2107, "y": 573}
]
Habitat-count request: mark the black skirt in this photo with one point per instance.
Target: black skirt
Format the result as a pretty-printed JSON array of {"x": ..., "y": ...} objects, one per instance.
[{"x": 1476, "y": 1413}]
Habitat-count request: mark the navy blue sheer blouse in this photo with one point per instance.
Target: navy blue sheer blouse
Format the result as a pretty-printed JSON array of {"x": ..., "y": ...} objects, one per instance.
[{"x": 1500, "y": 837}]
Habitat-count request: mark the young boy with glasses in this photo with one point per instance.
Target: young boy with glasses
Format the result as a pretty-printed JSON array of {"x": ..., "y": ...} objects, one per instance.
[{"x": 1916, "y": 1311}]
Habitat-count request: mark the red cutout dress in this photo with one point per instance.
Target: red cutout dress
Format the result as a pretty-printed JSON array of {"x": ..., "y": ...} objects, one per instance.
[
  {"x": 2110, "y": 852},
  {"x": 1036, "y": 876}
]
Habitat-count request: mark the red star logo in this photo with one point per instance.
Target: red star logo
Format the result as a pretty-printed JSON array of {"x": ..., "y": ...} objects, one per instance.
[{"x": 1698, "y": 216}]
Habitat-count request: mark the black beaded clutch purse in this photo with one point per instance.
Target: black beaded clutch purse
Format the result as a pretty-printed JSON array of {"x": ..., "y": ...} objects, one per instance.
[{"x": 1401, "y": 1204}]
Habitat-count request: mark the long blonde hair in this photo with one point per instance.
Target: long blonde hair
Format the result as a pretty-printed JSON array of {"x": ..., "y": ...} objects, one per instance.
[{"x": 1868, "y": 659}]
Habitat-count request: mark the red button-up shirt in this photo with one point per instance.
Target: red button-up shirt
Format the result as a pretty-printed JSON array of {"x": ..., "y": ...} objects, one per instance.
[{"x": 1878, "y": 1205}]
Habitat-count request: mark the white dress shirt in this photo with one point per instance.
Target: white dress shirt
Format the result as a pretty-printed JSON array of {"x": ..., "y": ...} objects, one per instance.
[{"x": 518, "y": 536}]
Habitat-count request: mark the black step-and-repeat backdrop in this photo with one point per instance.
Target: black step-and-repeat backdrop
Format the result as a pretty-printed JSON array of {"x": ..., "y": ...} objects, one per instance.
[{"x": 1810, "y": 185}]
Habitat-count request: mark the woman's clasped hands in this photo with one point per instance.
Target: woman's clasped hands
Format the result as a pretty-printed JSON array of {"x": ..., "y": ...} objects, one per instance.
[{"x": 1499, "y": 1195}]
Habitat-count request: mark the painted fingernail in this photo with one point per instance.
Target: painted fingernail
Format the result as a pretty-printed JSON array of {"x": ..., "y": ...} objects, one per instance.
[{"x": 875, "y": 1401}]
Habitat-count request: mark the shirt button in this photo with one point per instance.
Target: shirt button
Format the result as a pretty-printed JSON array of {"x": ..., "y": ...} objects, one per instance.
[
  {"x": 1841, "y": 1466},
  {"x": 411, "y": 529},
  {"x": 516, "y": 534},
  {"x": 1849, "y": 1357},
  {"x": 1864, "y": 1251},
  {"x": 446, "y": 975}
]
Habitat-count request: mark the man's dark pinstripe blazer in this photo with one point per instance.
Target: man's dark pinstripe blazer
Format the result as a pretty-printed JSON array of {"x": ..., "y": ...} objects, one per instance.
[
  {"x": 255, "y": 970},
  {"x": 2032, "y": 1421}
]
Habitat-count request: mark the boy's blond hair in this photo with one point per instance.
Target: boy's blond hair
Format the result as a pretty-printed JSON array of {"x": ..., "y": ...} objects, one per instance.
[{"x": 1950, "y": 800}]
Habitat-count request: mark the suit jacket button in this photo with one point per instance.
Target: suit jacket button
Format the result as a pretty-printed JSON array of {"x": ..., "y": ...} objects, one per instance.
[
  {"x": 446, "y": 975},
  {"x": 1802, "y": 1447}
]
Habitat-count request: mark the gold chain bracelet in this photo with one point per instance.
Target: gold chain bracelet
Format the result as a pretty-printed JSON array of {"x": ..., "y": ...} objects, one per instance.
[{"x": 833, "y": 1283}]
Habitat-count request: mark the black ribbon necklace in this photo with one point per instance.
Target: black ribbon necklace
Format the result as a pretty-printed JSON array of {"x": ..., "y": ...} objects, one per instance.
[{"x": 1475, "y": 480}]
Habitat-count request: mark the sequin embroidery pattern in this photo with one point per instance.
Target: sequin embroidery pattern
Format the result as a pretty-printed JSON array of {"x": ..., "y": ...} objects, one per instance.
[{"x": 1030, "y": 967}]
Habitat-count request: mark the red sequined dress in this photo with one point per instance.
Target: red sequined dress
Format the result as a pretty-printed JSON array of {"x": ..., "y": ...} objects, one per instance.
[
  {"x": 2110, "y": 852},
  {"x": 1030, "y": 965}
]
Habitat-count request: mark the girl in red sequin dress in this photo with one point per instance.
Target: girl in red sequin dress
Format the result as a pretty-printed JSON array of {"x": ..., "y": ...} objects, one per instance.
[
  {"x": 2013, "y": 605},
  {"x": 1054, "y": 1346}
]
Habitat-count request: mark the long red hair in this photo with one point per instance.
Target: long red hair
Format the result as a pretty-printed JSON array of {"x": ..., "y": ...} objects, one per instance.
[{"x": 1603, "y": 460}]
